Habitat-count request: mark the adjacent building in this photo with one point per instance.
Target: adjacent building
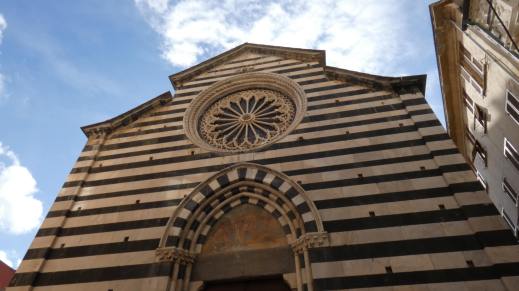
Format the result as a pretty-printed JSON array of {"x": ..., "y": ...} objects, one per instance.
[
  {"x": 6, "y": 273},
  {"x": 269, "y": 170},
  {"x": 478, "y": 60}
]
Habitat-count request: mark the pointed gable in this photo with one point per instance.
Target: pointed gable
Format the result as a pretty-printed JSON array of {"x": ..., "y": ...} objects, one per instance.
[
  {"x": 128, "y": 117},
  {"x": 245, "y": 58},
  {"x": 252, "y": 52},
  {"x": 245, "y": 51}
]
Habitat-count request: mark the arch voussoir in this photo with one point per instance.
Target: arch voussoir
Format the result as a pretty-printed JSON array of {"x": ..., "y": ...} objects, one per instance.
[
  {"x": 267, "y": 197},
  {"x": 243, "y": 183},
  {"x": 244, "y": 172},
  {"x": 199, "y": 237}
]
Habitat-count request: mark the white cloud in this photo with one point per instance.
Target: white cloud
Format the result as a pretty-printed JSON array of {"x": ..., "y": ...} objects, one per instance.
[
  {"x": 358, "y": 35},
  {"x": 433, "y": 94},
  {"x": 5, "y": 259},
  {"x": 10, "y": 258},
  {"x": 20, "y": 211},
  {"x": 65, "y": 66},
  {"x": 3, "y": 94},
  {"x": 3, "y": 26},
  {"x": 159, "y": 6}
]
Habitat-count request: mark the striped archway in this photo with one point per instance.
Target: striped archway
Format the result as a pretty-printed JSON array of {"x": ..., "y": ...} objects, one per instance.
[{"x": 242, "y": 183}]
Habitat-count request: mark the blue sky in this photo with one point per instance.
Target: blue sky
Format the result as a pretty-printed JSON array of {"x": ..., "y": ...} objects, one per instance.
[{"x": 65, "y": 64}]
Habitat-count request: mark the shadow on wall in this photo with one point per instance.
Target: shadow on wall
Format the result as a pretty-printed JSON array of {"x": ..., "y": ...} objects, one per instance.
[{"x": 499, "y": 126}]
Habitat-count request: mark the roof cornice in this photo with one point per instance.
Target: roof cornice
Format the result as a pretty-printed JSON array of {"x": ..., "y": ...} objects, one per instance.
[
  {"x": 126, "y": 118},
  {"x": 375, "y": 81},
  {"x": 296, "y": 53}
]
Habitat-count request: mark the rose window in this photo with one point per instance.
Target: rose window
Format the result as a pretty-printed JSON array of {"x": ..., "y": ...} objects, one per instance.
[{"x": 246, "y": 119}]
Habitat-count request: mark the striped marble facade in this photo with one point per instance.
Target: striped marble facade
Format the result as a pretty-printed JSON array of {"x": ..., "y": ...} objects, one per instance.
[{"x": 369, "y": 161}]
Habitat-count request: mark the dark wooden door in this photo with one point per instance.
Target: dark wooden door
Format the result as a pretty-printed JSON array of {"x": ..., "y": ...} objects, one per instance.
[{"x": 270, "y": 284}]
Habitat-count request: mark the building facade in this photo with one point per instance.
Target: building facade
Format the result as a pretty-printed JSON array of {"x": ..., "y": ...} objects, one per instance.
[
  {"x": 478, "y": 60},
  {"x": 270, "y": 170},
  {"x": 6, "y": 273}
]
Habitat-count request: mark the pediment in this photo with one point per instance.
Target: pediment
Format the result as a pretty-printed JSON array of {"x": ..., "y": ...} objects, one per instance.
[
  {"x": 249, "y": 51},
  {"x": 375, "y": 81},
  {"x": 124, "y": 119},
  {"x": 305, "y": 55}
]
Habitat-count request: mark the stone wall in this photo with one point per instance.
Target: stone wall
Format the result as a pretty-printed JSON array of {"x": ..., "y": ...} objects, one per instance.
[{"x": 398, "y": 202}]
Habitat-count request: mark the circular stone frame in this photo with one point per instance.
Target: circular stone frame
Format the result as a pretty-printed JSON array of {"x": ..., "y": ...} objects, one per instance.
[{"x": 246, "y": 81}]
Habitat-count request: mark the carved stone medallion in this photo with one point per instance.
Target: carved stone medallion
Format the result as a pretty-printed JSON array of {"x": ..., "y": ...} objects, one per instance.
[
  {"x": 245, "y": 112},
  {"x": 246, "y": 119}
]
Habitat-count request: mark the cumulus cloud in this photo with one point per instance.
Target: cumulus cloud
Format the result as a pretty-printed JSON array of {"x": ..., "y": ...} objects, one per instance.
[
  {"x": 2, "y": 87},
  {"x": 20, "y": 211},
  {"x": 358, "y": 35},
  {"x": 10, "y": 258},
  {"x": 3, "y": 26},
  {"x": 5, "y": 259}
]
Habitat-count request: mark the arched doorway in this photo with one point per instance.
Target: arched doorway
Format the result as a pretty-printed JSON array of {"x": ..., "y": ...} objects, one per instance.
[
  {"x": 258, "y": 284},
  {"x": 202, "y": 252},
  {"x": 246, "y": 242}
]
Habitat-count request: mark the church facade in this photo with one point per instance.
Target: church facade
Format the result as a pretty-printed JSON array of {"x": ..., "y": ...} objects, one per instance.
[{"x": 268, "y": 169}]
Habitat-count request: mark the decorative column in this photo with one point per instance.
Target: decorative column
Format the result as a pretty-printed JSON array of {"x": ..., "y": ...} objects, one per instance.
[
  {"x": 301, "y": 247},
  {"x": 299, "y": 280},
  {"x": 182, "y": 261}
]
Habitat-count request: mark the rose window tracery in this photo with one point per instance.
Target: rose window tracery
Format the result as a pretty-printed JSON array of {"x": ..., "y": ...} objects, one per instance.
[{"x": 246, "y": 119}]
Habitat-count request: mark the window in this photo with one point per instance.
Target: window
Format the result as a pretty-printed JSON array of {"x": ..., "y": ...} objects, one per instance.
[
  {"x": 466, "y": 76},
  {"x": 239, "y": 116},
  {"x": 465, "y": 53},
  {"x": 479, "y": 66},
  {"x": 507, "y": 188},
  {"x": 472, "y": 70},
  {"x": 480, "y": 114},
  {"x": 512, "y": 106},
  {"x": 477, "y": 86},
  {"x": 477, "y": 148},
  {"x": 470, "y": 137},
  {"x": 472, "y": 61},
  {"x": 509, "y": 221},
  {"x": 511, "y": 153},
  {"x": 468, "y": 101},
  {"x": 482, "y": 180},
  {"x": 472, "y": 141}
]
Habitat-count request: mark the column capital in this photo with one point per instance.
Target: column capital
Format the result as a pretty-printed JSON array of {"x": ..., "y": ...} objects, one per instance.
[
  {"x": 173, "y": 254},
  {"x": 310, "y": 240}
]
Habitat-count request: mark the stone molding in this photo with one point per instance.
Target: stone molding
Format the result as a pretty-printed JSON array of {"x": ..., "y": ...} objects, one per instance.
[
  {"x": 242, "y": 183},
  {"x": 246, "y": 119},
  {"x": 310, "y": 240},
  {"x": 110, "y": 125},
  {"x": 237, "y": 176},
  {"x": 242, "y": 82},
  {"x": 173, "y": 254},
  {"x": 304, "y": 55}
]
